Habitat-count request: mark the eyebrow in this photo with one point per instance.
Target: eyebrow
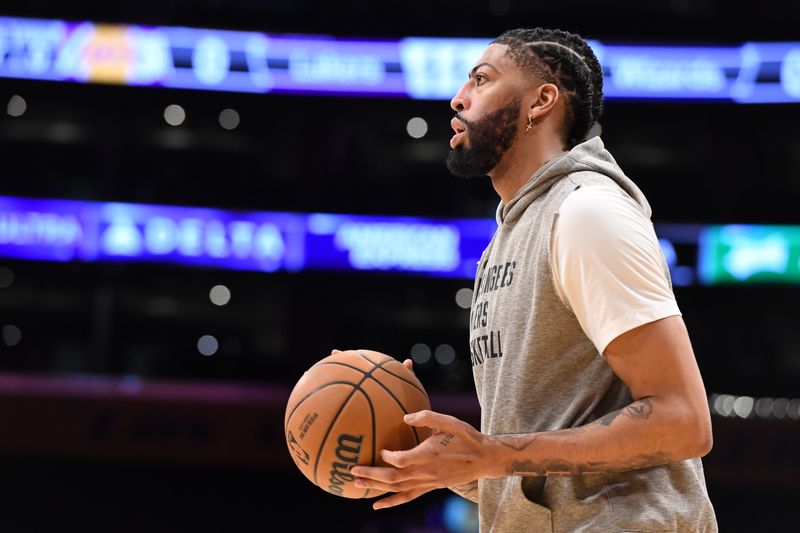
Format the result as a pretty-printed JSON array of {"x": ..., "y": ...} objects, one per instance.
[{"x": 476, "y": 67}]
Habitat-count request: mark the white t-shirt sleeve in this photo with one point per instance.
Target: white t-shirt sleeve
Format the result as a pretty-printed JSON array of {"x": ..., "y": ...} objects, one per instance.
[{"x": 607, "y": 264}]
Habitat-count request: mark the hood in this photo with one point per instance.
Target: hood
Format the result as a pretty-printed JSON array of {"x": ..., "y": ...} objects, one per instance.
[{"x": 590, "y": 155}]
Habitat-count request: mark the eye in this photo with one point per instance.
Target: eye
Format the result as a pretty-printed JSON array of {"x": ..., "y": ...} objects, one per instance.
[{"x": 480, "y": 79}]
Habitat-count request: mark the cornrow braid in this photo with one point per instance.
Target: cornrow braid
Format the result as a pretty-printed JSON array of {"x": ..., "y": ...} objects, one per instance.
[{"x": 567, "y": 61}]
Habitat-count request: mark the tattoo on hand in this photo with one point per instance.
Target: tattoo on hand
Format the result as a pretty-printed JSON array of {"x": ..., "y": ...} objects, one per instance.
[{"x": 447, "y": 438}]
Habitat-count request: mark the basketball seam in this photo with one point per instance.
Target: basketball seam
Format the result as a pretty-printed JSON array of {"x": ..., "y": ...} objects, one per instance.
[
  {"x": 343, "y": 364},
  {"x": 385, "y": 362},
  {"x": 372, "y": 413},
  {"x": 356, "y": 387},
  {"x": 330, "y": 426},
  {"x": 313, "y": 392},
  {"x": 370, "y": 360},
  {"x": 406, "y": 380},
  {"x": 396, "y": 399},
  {"x": 389, "y": 360}
]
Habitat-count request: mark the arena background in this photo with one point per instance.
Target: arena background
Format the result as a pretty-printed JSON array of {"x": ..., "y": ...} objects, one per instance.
[{"x": 147, "y": 395}]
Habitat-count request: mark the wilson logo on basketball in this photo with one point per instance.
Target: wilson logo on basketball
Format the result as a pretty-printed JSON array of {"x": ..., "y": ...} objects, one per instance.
[{"x": 347, "y": 451}]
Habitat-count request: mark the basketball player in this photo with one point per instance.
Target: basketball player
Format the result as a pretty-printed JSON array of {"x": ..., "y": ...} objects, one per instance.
[{"x": 593, "y": 411}]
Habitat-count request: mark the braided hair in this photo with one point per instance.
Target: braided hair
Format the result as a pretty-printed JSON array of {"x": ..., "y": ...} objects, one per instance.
[{"x": 565, "y": 60}]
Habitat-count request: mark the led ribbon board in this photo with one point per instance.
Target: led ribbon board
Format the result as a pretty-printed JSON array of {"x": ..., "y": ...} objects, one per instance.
[
  {"x": 62, "y": 230},
  {"x": 417, "y": 68},
  {"x": 67, "y": 230}
]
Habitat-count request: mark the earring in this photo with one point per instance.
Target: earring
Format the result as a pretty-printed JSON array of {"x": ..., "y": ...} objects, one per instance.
[{"x": 530, "y": 123}]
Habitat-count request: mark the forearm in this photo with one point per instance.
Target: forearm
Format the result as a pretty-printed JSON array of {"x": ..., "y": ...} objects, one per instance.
[
  {"x": 646, "y": 433},
  {"x": 468, "y": 490}
]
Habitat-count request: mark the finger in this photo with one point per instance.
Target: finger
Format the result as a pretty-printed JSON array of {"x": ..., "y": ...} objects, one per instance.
[
  {"x": 399, "y": 498},
  {"x": 409, "y": 364},
  {"x": 403, "y": 458},
  {"x": 380, "y": 474},
  {"x": 402, "y": 486},
  {"x": 335, "y": 351},
  {"x": 438, "y": 422},
  {"x": 397, "y": 459}
]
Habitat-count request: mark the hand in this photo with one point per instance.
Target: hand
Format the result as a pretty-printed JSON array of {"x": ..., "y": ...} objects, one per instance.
[{"x": 454, "y": 454}]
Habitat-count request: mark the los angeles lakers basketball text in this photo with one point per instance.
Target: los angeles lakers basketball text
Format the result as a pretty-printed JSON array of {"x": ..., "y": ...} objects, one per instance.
[{"x": 488, "y": 345}]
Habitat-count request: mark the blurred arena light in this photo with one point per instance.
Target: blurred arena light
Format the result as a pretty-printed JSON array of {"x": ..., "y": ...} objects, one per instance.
[
  {"x": 417, "y": 127},
  {"x": 460, "y": 515},
  {"x": 420, "y": 353},
  {"x": 743, "y": 406},
  {"x": 229, "y": 119},
  {"x": 16, "y": 106},
  {"x": 464, "y": 297},
  {"x": 174, "y": 115},
  {"x": 11, "y": 335},
  {"x": 730, "y": 406},
  {"x": 793, "y": 409},
  {"x": 207, "y": 345},
  {"x": 780, "y": 408},
  {"x": 763, "y": 407},
  {"x": 220, "y": 295},
  {"x": 445, "y": 354}
]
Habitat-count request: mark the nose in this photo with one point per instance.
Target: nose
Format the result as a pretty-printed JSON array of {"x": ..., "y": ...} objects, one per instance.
[{"x": 460, "y": 101}]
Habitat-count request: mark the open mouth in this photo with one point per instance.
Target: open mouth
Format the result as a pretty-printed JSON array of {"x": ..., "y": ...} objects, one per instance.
[{"x": 459, "y": 130}]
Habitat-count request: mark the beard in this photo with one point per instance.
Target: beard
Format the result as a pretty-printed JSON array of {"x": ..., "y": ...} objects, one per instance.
[{"x": 489, "y": 138}]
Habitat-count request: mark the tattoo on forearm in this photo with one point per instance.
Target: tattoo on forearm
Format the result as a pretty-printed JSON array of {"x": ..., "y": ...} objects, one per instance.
[
  {"x": 641, "y": 409},
  {"x": 638, "y": 410},
  {"x": 556, "y": 467}
]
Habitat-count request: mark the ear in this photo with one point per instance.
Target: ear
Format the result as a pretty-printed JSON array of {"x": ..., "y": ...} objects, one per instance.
[{"x": 543, "y": 100}]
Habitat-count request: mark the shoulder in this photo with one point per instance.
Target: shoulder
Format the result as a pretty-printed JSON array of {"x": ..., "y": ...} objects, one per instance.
[
  {"x": 601, "y": 210},
  {"x": 600, "y": 200},
  {"x": 607, "y": 264}
]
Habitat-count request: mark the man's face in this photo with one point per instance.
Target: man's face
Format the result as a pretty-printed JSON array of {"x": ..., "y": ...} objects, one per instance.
[{"x": 487, "y": 114}]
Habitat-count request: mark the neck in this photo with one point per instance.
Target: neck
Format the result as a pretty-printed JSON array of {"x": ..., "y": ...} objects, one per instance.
[{"x": 521, "y": 161}]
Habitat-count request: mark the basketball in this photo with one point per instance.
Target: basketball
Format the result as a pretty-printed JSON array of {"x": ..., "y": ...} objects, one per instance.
[{"x": 344, "y": 410}]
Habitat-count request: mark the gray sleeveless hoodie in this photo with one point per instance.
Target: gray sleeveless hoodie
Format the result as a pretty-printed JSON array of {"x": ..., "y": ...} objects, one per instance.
[{"x": 535, "y": 370}]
